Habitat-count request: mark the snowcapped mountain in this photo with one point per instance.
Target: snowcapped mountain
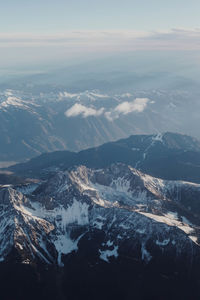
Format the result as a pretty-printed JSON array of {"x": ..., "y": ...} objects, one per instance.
[
  {"x": 34, "y": 123},
  {"x": 125, "y": 205},
  {"x": 94, "y": 228}
]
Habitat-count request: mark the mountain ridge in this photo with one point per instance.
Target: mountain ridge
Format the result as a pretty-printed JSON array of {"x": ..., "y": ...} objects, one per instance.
[
  {"x": 34, "y": 123},
  {"x": 114, "y": 230},
  {"x": 168, "y": 156},
  {"x": 60, "y": 212}
]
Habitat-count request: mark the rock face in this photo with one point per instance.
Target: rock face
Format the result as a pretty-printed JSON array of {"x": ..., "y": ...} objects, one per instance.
[
  {"x": 20, "y": 229},
  {"x": 92, "y": 233},
  {"x": 135, "y": 214}
]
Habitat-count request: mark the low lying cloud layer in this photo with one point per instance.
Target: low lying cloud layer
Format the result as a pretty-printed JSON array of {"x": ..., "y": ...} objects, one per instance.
[
  {"x": 137, "y": 105},
  {"x": 173, "y": 39},
  {"x": 71, "y": 46}
]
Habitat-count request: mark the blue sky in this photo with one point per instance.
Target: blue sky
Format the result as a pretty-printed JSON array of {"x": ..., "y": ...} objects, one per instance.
[
  {"x": 57, "y": 16},
  {"x": 47, "y": 31}
]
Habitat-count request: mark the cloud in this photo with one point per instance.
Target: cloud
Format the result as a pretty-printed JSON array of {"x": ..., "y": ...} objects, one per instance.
[
  {"x": 73, "y": 46},
  {"x": 113, "y": 40},
  {"x": 79, "y": 109},
  {"x": 137, "y": 105}
]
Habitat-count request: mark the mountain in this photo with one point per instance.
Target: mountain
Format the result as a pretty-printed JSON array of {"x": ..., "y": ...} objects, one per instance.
[
  {"x": 93, "y": 232},
  {"x": 169, "y": 156},
  {"x": 34, "y": 122}
]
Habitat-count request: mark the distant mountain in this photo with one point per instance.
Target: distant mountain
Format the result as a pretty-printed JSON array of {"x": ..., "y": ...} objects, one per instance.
[
  {"x": 169, "y": 156},
  {"x": 32, "y": 123},
  {"x": 113, "y": 231}
]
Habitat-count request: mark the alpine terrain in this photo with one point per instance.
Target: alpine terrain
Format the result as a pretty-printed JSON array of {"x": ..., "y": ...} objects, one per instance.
[{"x": 109, "y": 233}]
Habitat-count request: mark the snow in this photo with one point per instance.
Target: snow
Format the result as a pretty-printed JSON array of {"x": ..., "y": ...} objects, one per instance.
[
  {"x": 186, "y": 221},
  {"x": 170, "y": 221},
  {"x": 158, "y": 137},
  {"x": 109, "y": 243},
  {"x": 172, "y": 215},
  {"x": 126, "y": 227},
  {"x": 119, "y": 237},
  {"x": 91, "y": 95},
  {"x": 163, "y": 243},
  {"x": 98, "y": 224},
  {"x": 76, "y": 213},
  {"x": 104, "y": 255},
  {"x": 126, "y": 95},
  {"x": 6, "y": 240},
  {"x": 121, "y": 185},
  {"x": 64, "y": 245},
  {"x": 119, "y": 191},
  {"x": 63, "y": 187},
  {"x": 12, "y": 101},
  {"x": 146, "y": 256},
  {"x": 67, "y": 95},
  {"x": 19, "y": 246},
  {"x": 194, "y": 239},
  {"x": 135, "y": 149},
  {"x": 128, "y": 216},
  {"x": 98, "y": 95},
  {"x": 26, "y": 262},
  {"x": 141, "y": 231}
]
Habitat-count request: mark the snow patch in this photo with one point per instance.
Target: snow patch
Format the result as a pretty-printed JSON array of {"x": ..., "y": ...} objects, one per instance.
[
  {"x": 146, "y": 256},
  {"x": 65, "y": 245},
  {"x": 163, "y": 243},
  {"x": 104, "y": 255},
  {"x": 109, "y": 243}
]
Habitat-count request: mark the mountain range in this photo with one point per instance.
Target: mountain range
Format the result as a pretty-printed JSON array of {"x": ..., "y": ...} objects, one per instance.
[
  {"x": 121, "y": 220},
  {"x": 33, "y": 123},
  {"x": 169, "y": 156},
  {"x": 96, "y": 233}
]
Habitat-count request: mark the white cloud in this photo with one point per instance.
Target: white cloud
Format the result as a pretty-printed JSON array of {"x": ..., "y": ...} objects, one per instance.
[
  {"x": 79, "y": 109},
  {"x": 137, "y": 105}
]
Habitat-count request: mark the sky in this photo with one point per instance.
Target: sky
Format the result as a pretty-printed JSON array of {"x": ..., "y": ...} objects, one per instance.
[
  {"x": 48, "y": 30},
  {"x": 50, "y": 16}
]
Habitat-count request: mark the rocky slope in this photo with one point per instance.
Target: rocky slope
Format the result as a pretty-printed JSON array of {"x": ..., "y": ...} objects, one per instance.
[
  {"x": 124, "y": 204},
  {"x": 95, "y": 233}
]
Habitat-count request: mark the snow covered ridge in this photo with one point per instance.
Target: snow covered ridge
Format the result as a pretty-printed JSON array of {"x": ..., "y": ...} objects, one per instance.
[
  {"x": 18, "y": 100},
  {"x": 82, "y": 104},
  {"x": 125, "y": 205}
]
